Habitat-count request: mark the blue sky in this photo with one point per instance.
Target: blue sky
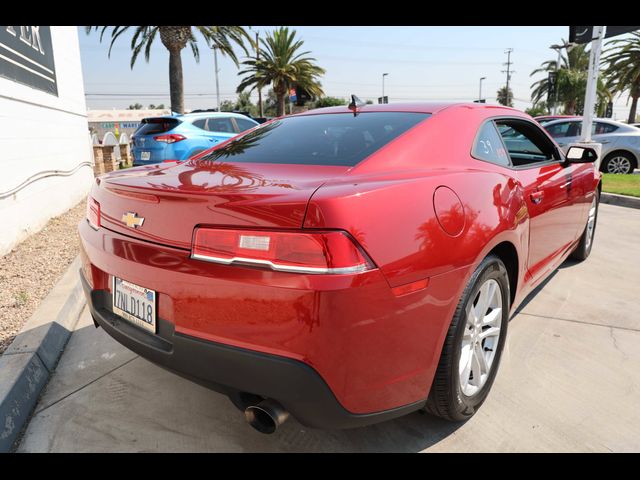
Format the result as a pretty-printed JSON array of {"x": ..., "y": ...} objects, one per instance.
[{"x": 424, "y": 63}]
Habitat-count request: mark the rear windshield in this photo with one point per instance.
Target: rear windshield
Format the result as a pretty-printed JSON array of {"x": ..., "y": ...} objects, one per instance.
[
  {"x": 150, "y": 126},
  {"x": 330, "y": 139}
]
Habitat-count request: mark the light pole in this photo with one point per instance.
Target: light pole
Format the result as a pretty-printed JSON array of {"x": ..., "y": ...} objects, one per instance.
[
  {"x": 480, "y": 92},
  {"x": 383, "y": 75},
  {"x": 215, "y": 63},
  {"x": 558, "y": 48}
]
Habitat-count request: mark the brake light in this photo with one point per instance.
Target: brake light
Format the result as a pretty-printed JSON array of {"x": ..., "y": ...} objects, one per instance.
[
  {"x": 317, "y": 252},
  {"x": 170, "y": 138},
  {"x": 93, "y": 213}
]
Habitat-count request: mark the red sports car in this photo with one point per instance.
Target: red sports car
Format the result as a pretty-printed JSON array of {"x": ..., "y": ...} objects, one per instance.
[{"x": 344, "y": 265}]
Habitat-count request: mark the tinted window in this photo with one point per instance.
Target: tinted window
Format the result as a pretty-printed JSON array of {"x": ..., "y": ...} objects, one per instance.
[
  {"x": 528, "y": 145},
  {"x": 200, "y": 123},
  {"x": 558, "y": 130},
  {"x": 220, "y": 125},
  {"x": 601, "y": 128},
  {"x": 152, "y": 126},
  {"x": 244, "y": 124},
  {"x": 489, "y": 146},
  {"x": 329, "y": 139}
]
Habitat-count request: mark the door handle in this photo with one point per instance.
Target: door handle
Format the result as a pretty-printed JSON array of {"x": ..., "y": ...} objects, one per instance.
[{"x": 536, "y": 197}]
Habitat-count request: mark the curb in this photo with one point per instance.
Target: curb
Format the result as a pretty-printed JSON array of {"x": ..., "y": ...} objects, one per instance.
[
  {"x": 26, "y": 365},
  {"x": 620, "y": 200}
]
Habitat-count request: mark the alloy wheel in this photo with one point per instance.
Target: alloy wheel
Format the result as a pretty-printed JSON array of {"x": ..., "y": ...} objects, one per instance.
[
  {"x": 480, "y": 338},
  {"x": 619, "y": 164}
]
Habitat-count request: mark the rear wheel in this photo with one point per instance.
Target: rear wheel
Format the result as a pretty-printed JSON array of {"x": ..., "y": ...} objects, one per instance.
[
  {"x": 583, "y": 249},
  {"x": 619, "y": 162},
  {"x": 473, "y": 346}
]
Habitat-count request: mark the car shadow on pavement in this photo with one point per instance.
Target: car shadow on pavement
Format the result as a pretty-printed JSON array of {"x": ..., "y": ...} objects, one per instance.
[{"x": 104, "y": 398}]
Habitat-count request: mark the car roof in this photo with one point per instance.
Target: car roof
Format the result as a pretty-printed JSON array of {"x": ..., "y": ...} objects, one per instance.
[
  {"x": 195, "y": 116},
  {"x": 597, "y": 119},
  {"x": 417, "y": 107}
]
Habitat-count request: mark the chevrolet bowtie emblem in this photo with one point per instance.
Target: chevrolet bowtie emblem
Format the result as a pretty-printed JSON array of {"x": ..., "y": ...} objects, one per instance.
[{"x": 132, "y": 220}]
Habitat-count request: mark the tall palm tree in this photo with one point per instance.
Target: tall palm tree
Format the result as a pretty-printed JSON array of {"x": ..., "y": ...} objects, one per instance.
[
  {"x": 175, "y": 39},
  {"x": 503, "y": 97},
  {"x": 571, "y": 81},
  {"x": 622, "y": 69},
  {"x": 282, "y": 66}
]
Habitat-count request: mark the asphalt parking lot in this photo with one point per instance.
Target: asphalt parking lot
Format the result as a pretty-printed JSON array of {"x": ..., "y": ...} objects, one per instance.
[{"x": 569, "y": 381}]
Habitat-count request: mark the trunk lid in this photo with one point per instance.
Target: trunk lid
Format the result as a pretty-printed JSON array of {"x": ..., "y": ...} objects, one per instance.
[{"x": 174, "y": 199}]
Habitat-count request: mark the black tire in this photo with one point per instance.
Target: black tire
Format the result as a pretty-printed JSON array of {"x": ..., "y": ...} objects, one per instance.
[
  {"x": 446, "y": 398},
  {"x": 583, "y": 249},
  {"x": 608, "y": 165}
]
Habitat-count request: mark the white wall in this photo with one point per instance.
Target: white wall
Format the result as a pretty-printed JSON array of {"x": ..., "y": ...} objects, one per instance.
[{"x": 40, "y": 132}]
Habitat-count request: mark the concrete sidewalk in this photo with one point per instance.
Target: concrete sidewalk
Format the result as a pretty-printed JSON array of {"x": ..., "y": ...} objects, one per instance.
[{"x": 569, "y": 380}]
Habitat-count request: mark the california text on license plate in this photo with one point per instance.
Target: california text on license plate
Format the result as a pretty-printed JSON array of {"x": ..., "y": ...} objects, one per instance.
[
  {"x": 134, "y": 303},
  {"x": 145, "y": 155}
]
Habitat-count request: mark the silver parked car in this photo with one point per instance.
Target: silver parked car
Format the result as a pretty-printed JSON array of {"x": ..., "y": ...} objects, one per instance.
[{"x": 620, "y": 142}]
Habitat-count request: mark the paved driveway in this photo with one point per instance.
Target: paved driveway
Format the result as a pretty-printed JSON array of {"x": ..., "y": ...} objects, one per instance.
[{"x": 569, "y": 380}]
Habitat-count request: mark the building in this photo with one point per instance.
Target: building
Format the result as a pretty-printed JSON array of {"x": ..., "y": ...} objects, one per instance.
[
  {"x": 45, "y": 157},
  {"x": 119, "y": 121}
]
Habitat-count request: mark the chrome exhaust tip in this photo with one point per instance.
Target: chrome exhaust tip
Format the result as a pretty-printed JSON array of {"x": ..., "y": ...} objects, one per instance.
[{"x": 266, "y": 416}]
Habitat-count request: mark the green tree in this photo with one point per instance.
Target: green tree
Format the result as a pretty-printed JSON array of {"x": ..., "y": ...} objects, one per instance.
[
  {"x": 571, "y": 80},
  {"x": 622, "y": 70},
  {"x": 538, "y": 109},
  {"x": 136, "y": 106},
  {"x": 227, "y": 106},
  {"x": 244, "y": 104},
  {"x": 329, "y": 102},
  {"x": 282, "y": 66},
  {"x": 505, "y": 98},
  {"x": 175, "y": 39},
  {"x": 156, "y": 107}
]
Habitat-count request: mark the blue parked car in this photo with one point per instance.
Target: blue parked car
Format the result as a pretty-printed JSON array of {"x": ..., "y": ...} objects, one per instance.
[{"x": 183, "y": 136}]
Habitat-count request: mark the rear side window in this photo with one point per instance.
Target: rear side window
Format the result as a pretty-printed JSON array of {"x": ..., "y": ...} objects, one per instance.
[
  {"x": 601, "y": 128},
  {"x": 244, "y": 124},
  {"x": 220, "y": 125},
  {"x": 151, "y": 126},
  {"x": 200, "y": 123},
  {"x": 328, "y": 139},
  {"x": 489, "y": 147}
]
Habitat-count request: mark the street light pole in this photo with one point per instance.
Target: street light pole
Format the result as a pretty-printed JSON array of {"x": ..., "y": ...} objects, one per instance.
[
  {"x": 480, "y": 92},
  {"x": 215, "y": 63},
  {"x": 260, "y": 113},
  {"x": 558, "y": 48},
  {"x": 383, "y": 75}
]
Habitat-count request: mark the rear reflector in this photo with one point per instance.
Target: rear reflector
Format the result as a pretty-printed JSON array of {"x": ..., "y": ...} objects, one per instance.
[
  {"x": 318, "y": 252},
  {"x": 170, "y": 138},
  {"x": 93, "y": 213},
  {"x": 410, "y": 287}
]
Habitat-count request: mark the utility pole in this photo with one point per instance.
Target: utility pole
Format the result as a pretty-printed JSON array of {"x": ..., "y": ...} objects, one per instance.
[
  {"x": 260, "y": 114},
  {"x": 508, "y": 71},
  {"x": 215, "y": 63},
  {"x": 383, "y": 75},
  {"x": 480, "y": 92}
]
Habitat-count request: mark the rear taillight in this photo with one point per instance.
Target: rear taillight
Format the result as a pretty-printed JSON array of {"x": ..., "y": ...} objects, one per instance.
[
  {"x": 317, "y": 252},
  {"x": 93, "y": 213},
  {"x": 169, "y": 138}
]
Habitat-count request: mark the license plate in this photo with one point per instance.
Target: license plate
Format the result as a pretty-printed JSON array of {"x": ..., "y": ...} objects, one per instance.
[
  {"x": 145, "y": 155},
  {"x": 135, "y": 304}
]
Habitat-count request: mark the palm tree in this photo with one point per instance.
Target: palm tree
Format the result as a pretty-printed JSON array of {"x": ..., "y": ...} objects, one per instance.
[
  {"x": 175, "y": 39},
  {"x": 571, "y": 80},
  {"x": 622, "y": 62},
  {"x": 282, "y": 66},
  {"x": 503, "y": 98}
]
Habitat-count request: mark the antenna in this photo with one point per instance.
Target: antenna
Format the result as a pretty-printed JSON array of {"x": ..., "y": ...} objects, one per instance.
[{"x": 355, "y": 104}]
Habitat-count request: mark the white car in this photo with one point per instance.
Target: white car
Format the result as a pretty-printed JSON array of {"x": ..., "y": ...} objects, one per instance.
[{"x": 620, "y": 141}]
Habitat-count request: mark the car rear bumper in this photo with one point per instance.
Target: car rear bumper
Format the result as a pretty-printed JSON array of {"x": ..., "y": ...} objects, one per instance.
[
  {"x": 369, "y": 351},
  {"x": 230, "y": 370}
]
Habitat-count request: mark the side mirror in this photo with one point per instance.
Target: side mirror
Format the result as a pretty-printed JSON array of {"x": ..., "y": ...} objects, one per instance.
[{"x": 581, "y": 154}]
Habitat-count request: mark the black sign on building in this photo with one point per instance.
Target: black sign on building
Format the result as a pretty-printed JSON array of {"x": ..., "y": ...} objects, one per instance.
[
  {"x": 26, "y": 56},
  {"x": 584, "y": 34}
]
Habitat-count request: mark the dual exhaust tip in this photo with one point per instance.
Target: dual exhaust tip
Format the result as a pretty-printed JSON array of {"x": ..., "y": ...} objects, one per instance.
[{"x": 266, "y": 416}]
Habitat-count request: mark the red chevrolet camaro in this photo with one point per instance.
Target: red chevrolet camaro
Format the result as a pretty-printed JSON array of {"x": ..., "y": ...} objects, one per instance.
[{"x": 345, "y": 265}]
